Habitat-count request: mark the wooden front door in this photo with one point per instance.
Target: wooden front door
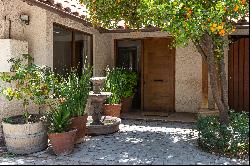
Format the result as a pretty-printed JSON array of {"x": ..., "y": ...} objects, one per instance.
[
  {"x": 238, "y": 74},
  {"x": 158, "y": 75}
]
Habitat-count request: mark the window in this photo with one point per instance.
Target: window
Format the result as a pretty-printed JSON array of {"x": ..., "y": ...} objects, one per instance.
[{"x": 71, "y": 49}]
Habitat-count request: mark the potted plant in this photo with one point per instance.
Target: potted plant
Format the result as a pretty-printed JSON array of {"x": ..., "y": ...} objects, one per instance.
[
  {"x": 77, "y": 92},
  {"x": 113, "y": 84},
  {"x": 26, "y": 133},
  {"x": 61, "y": 136},
  {"x": 129, "y": 82}
]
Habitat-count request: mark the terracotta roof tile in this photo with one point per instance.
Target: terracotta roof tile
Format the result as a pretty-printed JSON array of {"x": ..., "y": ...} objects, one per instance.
[{"x": 70, "y": 6}]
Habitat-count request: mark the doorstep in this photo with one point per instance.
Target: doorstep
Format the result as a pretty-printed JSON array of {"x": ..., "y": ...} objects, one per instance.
[
  {"x": 203, "y": 112},
  {"x": 184, "y": 117}
]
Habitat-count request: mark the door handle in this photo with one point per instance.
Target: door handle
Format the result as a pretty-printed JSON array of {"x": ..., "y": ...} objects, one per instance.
[{"x": 158, "y": 80}]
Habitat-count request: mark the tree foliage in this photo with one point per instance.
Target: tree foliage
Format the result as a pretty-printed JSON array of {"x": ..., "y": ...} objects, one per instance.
[
  {"x": 185, "y": 20},
  {"x": 204, "y": 22}
]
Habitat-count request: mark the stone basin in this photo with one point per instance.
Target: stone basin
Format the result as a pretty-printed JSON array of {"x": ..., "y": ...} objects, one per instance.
[
  {"x": 110, "y": 125},
  {"x": 99, "y": 97},
  {"x": 97, "y": 83},
  {"x": 98, "y": 80}
]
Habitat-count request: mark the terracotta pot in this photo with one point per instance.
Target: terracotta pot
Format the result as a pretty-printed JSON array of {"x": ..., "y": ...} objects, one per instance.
[
  {"x": 112, "y": 110},
  {"x": 63, "y": 143},
  {"x": 79, "y": 123},
  {"x": 126, "y": 104}
]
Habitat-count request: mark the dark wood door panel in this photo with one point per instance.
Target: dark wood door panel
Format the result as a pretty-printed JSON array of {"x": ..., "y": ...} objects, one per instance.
[{"x": 238, "y": 75}]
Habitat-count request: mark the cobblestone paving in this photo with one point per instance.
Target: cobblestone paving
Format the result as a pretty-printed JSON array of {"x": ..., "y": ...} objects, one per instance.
[{"x": 137, "y": 142}]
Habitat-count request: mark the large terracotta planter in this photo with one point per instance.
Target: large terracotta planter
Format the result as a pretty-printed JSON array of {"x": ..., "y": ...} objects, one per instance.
[
  {"x": 25, "y": 138},
  {"x": 79, "y": 123},
  {"x": 126, "y": 104},
  {"x": 112, "y": 110},
  {"x": 63, "y": 143}
]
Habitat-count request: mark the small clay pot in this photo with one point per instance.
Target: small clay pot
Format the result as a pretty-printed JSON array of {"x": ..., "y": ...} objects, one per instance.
[
  {"x": 112, "y": 110},
  {"x": 63, "y": 143},
  {"x": 79, "y": 123},
  {"x": 126, "y": 104}
]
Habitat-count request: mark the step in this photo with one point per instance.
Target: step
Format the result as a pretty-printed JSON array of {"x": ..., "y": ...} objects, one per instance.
[{"x": 207, "y": 112}]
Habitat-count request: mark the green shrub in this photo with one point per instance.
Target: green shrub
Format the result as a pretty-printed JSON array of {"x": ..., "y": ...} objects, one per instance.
[
  {"x": 76, "y": 91},
  {"x": 232, "y": 139},
  {"x": 29, "y": 83},
  {"x": 69, "y": 99},
  {"x": 58, "y": 119},
  {"x": 114, "y": 84},
  {"x": 121, "y": 83},
  {"x": 129, "y": 81}
]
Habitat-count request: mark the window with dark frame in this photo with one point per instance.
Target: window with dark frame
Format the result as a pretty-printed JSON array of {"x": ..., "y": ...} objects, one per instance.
[{"x": 71, "y": 50}]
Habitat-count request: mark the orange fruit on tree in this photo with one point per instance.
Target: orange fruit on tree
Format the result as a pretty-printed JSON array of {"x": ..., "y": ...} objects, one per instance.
[
  {"x": 222, "y": 32},
  {"x": 236, "y": 8}
]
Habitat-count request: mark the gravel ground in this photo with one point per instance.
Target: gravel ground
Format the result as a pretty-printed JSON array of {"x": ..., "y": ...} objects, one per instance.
[{"x": 137, "y": 142}]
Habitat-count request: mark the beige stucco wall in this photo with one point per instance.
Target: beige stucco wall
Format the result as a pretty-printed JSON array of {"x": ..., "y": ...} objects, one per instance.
[
  {"x": 39, "y": 35},
  {"x": 188, "y": 73},
  {"x": 1, "y": 19}
]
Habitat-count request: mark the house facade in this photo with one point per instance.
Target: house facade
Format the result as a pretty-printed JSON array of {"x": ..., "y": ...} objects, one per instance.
[{"x": 56, "y": 35}]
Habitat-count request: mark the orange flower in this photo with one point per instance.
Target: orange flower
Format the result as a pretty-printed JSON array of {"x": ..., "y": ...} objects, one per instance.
[
  {"x": 225, "y": 9},
  {"x": 222, "y": 32},
  {"x": 236, "y": 8}
]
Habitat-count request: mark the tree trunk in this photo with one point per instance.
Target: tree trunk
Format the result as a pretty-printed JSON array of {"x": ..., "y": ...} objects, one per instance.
[
  {"x": 224, "y": 85},
  {"x": 206, "y": 48},
  {"x": 224, "y": 118}
]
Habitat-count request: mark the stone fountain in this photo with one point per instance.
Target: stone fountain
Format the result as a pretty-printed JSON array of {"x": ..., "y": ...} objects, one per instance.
[{"x": 98, "y": 124}]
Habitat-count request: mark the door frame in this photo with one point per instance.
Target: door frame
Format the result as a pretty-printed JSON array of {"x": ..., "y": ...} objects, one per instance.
[{"x": 142, "y": 64}]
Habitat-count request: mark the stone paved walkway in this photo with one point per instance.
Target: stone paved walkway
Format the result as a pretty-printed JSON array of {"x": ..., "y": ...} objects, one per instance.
[{"x": 137, "y": 142}]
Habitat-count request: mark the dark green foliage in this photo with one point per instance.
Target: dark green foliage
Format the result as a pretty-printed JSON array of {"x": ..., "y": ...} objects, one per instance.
[
  {"x": 70, "y": 99},
  {"x": 129, "y": 81},
  {"x": 29, "y": 83},
  {"x": 121, "y": 83},
  {"x": 59, "y": 120},
  {"x": 114, "y": 85},
  {"x": 75, "y": 90},
  {"x": 232, "y": 139}
]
